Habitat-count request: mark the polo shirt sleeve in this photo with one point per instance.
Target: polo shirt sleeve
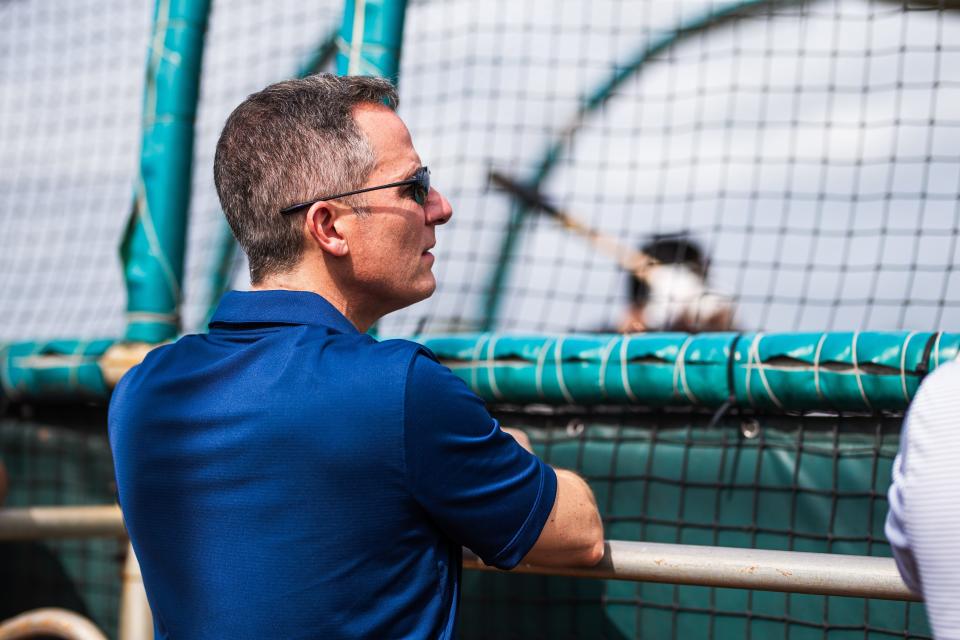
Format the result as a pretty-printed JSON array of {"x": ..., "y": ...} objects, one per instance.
[{"x": 477, "y": 484}]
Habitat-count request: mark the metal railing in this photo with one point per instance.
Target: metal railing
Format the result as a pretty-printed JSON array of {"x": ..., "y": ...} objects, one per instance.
[
  {"x": 33, "y": 523},
  {"x": 788, "y": 571}
]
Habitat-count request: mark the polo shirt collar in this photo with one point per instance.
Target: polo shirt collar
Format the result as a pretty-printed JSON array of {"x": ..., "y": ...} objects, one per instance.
[{"x": 279, "y": 307}]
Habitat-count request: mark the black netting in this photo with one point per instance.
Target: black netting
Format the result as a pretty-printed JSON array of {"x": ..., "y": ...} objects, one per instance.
[
  {"x": 806, "y": 146},
  {"x": 813, "y": 484},
  {"x": 71, "y": 92},
  {"x": 54, "y": 459}
]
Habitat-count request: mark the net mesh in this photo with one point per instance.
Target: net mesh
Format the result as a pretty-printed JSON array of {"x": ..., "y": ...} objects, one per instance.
[
  {"x": 60, "y": 458},
  {"x": 799, "y": 484},
  {"x": 72, "y": 73},
  {"x": 809, "y": 147},
  {"x": 72, "y": 82},
  {"x": 789, "y": 483}
]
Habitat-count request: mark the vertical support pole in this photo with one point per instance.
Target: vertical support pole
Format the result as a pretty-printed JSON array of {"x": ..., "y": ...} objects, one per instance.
[
  {"x": 373, "y": 33},
  {"x": 153, "y": 245},
  {"x": 136, "y": 620}
]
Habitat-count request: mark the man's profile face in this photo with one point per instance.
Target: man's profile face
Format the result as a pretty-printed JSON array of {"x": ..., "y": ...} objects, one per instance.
[{"x": 389, "y": 249}]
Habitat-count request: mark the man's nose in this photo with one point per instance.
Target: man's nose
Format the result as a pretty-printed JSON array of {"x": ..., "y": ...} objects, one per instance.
[{"x": 437, "y": 208}]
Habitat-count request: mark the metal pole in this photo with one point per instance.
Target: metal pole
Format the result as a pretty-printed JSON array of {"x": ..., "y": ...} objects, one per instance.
[
  {"x": 788, "y": 571},
  {"x": 372, "y": 31},
  {"x": 33, "y": 523},
  {"x": 136, "y": 620},
  {"x": 50, "y": 622},
  {"x": 154, "y": 242}
]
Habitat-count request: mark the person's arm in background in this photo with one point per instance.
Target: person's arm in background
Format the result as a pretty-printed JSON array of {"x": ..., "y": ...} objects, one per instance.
[
  {"x": 923, "y": 524},
  {"x": 573, "y": 534}
]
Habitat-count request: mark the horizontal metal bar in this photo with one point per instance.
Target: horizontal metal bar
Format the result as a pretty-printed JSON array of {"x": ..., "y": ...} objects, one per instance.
[
  {"x": 788, "y": 571},
  {"x": 765, "y": 570},
  {"x": 50, "y": 622},
  {"x": 61, "y": 522}
]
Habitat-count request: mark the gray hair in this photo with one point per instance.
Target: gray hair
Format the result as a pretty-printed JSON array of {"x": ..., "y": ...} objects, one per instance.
[{"x": 291, "y": 142}]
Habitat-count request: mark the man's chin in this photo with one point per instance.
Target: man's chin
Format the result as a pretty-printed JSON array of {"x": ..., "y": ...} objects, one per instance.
[{"x": 419, "y": 295}]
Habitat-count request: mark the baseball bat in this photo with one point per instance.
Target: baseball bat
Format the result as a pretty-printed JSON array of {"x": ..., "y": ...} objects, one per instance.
[{"x": 630, "y": 259}]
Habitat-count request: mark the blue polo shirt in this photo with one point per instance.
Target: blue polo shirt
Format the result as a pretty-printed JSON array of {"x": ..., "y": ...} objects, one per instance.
[{"x": 286, "y": 476}]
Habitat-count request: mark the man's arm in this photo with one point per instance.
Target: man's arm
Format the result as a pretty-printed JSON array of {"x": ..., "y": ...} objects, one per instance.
[{"x": 573, "y": 534}]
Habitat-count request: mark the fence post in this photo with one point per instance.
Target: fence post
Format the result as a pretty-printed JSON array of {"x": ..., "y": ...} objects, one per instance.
[
  {"x": 154, "y": 242},
  {"x": 373, "y": 33}
]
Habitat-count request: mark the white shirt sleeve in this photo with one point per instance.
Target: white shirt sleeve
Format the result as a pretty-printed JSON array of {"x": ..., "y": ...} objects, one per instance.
[{"x": 923, "y": 524}]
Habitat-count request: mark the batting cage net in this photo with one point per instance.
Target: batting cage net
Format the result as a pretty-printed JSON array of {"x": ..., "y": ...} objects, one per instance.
[
  {"x": 72, "y": 78},
  {"x": 60, "y": 458},
  {"x": 774, "y": 483},
  {"x": 807, "y": 147},
  {"x": 753, "y": 166},
  {"x": 803, "y": 148}
]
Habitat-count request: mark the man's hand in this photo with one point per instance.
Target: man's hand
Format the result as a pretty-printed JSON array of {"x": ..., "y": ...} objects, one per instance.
[{"x": 522, "y": 439}]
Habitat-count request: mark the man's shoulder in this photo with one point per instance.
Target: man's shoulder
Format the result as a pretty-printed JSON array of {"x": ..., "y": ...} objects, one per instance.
[
  {"x": 946, "y": 374},
  {"x": 935, "y": 409},
  {"x": 941, "y": 386}
]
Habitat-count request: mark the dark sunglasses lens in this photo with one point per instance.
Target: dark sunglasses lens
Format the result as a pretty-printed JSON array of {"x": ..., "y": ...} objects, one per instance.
[{"x": 422, "y": 188}]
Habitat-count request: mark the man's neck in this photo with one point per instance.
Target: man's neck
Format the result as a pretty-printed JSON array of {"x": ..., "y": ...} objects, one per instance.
[{"x": 323, "y": 287}]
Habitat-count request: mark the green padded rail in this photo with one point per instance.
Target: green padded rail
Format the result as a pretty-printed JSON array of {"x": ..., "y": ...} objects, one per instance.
[
  {"x": 769, "y": 373},
  {"x": 64, "y": 370},
  {"x": 154, "y": 242},
  {"x": 765, "y": 372}
]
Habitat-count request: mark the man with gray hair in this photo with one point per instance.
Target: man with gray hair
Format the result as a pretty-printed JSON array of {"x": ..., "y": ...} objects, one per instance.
[{"x": 286, "y": 475}]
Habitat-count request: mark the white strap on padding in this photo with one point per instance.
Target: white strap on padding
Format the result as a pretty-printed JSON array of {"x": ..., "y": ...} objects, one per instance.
[
  {"x": 858, "y": 373},
  {"x": 604, "y": 361},
  {"x": 680, "y": 373},
  {"x": 558, "y": 360},
  {"x": 755, "y": 362},
  {"x": 541, "y": 362},
  {"x": 816, "y": 367},
  {"x": 903, "y": 365},
  {"x": 624, "y": 374}
]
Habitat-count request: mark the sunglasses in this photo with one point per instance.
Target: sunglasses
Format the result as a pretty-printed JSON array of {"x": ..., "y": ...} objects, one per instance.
[{"x": 419, "y": 190}]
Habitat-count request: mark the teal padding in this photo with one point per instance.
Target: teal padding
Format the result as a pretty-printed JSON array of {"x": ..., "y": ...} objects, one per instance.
[
  {"x": 769, "y": 372},
  {"x": 809, "y": 484},
  {"x": 596, "y": 98},
  {"x": 58, "y": 370},
  {"x": 372, "y": 33},
  {"x": 836, "y": 371},
  {"x": 154, "y": 242}
]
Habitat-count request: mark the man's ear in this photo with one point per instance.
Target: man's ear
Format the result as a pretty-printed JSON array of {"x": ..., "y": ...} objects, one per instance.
[{"x": 322, "y": 231}]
